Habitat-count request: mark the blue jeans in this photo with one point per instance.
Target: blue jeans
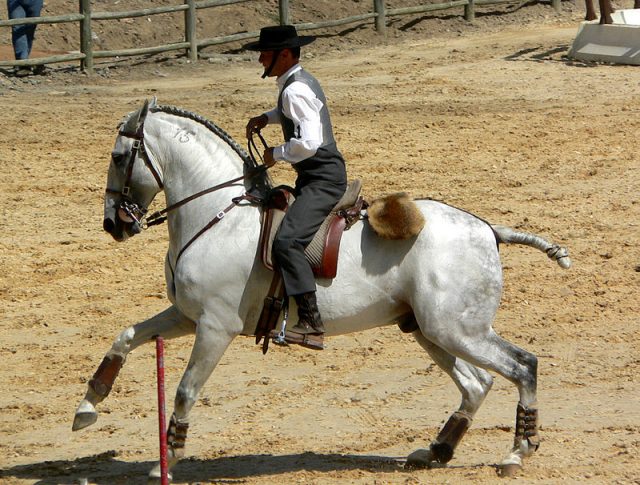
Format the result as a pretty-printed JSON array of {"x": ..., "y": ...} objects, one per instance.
[{"x": 22, "y": 35}]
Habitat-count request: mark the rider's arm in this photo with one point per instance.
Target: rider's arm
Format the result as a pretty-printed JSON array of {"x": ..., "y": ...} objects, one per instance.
[
  {"x": 302, "y": 106},
  {"x": 273, "y": 116}
]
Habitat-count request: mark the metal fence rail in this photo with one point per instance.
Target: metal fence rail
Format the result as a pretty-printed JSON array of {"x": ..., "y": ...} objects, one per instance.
[{"x": 191, "y": 43}]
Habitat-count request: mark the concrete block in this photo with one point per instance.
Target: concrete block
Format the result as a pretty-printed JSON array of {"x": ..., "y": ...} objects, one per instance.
[{"x": 618, "y": 43}]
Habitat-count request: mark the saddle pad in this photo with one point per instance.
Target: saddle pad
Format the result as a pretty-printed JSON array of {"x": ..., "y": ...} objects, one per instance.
[{"x": 316, "y": 248}]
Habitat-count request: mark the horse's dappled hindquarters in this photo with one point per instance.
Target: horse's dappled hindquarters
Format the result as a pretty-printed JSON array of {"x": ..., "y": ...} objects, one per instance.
[{"x": 448, "y": 279}]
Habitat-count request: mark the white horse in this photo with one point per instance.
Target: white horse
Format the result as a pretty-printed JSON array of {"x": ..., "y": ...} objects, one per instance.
[{"x": 446, "y": 282}]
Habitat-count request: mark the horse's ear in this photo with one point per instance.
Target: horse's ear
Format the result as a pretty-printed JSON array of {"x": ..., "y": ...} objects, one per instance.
[
  {"x": 131, "y": 122},
  {"x": 144, "y": 110},
  {"x": 153, "y": 103}
]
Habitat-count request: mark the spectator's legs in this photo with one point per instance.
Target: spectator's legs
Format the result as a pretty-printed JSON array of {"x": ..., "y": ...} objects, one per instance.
[{"x": 22, "y": 35}]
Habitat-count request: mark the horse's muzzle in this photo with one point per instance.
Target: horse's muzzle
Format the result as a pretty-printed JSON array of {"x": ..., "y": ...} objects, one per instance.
[
  {"x": 119, "y": 229},
  {"x": 109, "y": 225}
]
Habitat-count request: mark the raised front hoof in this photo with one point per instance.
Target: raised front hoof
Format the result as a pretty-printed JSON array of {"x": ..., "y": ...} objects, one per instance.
[
  {"x": 85, "y": 416},
  {"x": 421, "y": 459},
  {"x": 509, "y": 470},
  {"x": 82, "y": 420}
]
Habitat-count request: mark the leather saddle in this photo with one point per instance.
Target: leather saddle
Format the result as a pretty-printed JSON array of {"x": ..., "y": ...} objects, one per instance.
[{"x": 322, "y": 252}]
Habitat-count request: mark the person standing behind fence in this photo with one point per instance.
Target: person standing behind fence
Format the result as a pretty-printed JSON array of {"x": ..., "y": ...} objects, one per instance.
[{"x": 22, "y": 35}]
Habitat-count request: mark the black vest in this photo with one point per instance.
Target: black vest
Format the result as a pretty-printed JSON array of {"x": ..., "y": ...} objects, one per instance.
[{"x": 327, "y": 163}]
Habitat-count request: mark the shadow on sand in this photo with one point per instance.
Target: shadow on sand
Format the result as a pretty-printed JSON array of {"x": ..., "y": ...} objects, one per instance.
[{"x": 106, "y": 469}]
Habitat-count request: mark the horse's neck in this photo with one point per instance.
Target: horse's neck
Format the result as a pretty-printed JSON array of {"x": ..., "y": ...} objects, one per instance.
[{"x": 192, "y": 158}]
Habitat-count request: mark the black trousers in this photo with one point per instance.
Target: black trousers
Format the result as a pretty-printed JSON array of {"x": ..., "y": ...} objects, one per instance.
[{"x": 314, "y": 201}]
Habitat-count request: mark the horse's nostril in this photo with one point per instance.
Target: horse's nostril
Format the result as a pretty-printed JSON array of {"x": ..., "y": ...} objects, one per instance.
[{"x": 108, "y": 225}]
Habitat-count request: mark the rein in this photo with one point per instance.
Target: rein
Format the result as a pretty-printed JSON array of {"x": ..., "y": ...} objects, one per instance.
[
  {"x": 254, "y": 153},
  {"x": 159, "y": 217}
]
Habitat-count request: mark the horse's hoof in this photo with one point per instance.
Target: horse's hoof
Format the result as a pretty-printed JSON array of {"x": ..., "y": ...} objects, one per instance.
[
  {"x": 155, "y": 476},
  {"x": 85, "y": 416},
  {"x": 509, "y": 470},
  {"x": 421, "y": 458},
  {"x": 82, "y": 420}
]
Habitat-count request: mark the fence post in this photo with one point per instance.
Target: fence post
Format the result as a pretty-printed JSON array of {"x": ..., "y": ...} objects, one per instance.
[
  {"x": 381, "y": 18},
  {"x": 470, "y": 11},
  {"x": 283, "y": 6},
  {"x": 86, "y": 42},
  {"x": 556, "y": 5},
  {"x": 190, "y": 30}
]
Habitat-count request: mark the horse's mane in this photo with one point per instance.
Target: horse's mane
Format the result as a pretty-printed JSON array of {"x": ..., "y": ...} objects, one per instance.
[{"x": 211, "y": 126}]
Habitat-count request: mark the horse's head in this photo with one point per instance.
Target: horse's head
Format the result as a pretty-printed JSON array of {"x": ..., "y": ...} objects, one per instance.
[{"x": 133, "y": 180}]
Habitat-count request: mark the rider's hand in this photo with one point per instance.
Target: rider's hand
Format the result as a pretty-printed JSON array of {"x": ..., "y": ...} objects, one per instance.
[
  {"x": 256, "y": 124},
  {"x": 267, "y": 156}
]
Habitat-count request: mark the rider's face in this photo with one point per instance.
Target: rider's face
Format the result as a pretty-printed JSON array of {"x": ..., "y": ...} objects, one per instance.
[{"x": 282, "y": 65}]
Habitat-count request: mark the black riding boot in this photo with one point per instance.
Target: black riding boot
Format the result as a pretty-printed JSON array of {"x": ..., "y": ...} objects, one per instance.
[{"x": 309, "y": 319}]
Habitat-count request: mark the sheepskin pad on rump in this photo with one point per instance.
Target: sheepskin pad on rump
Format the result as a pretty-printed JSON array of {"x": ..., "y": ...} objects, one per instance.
[{"x": 395, "y": 216}]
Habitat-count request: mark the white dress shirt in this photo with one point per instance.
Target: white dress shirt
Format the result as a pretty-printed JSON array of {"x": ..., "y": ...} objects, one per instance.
[{"x": 302, "y": 106}]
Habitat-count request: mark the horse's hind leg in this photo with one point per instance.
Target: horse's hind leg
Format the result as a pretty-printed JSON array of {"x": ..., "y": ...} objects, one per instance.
[
  {"x": 168, "y": 324},
  {"x": 491, "y": 352},
  {"x": 524, "y": 375},
  {"x": 474, "y": 385}
]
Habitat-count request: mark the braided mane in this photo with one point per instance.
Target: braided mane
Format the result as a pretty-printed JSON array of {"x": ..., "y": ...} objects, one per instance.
[{"x": 172, "y": 110}]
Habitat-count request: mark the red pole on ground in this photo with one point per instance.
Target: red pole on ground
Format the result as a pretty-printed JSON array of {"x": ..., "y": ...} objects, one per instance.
[{"x": 162, "y": 422}]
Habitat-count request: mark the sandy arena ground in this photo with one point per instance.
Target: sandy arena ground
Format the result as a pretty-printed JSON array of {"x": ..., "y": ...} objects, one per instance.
[{"x": 498, "y": 123}]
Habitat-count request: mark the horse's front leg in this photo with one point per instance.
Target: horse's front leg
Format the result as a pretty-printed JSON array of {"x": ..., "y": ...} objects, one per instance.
[
  {"x": 605, "y": 12},
  {"x": 168, "y": 324},
  {"x": 591, "y": 12},
  {"x": 212, "y": 339}
]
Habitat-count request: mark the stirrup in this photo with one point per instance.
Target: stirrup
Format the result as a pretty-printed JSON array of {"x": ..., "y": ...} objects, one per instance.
[
  {"x": 309, "y": 341},
  {"x": 283, "y": 337},
  {"x": 278, "y": 337}
]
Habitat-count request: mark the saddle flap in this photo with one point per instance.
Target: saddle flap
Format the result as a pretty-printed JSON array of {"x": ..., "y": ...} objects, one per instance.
[{"x": 273, "y": 212}]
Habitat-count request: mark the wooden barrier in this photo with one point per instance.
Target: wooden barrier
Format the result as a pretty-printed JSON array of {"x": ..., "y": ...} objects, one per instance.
[{"x": 191, "y": 43}]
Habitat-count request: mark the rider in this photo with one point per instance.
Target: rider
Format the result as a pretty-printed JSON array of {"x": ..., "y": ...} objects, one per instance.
[{"x": 311, "y": 149}]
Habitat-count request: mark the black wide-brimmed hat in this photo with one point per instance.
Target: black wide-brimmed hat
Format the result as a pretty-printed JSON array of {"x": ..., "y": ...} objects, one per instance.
[{"x": 279, "y": 37}]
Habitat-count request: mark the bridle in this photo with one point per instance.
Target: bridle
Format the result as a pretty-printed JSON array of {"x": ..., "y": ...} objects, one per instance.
[
  {"x": 128, "y": 206},
  {"x": 138, "y": 213}
]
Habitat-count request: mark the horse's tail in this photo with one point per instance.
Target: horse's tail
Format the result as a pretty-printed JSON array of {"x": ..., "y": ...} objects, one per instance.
[{"x": 507, "y": 235}]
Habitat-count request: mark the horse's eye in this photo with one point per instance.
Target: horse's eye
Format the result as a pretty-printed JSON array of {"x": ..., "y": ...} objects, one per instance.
[{"x": 117, "y": 158}]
